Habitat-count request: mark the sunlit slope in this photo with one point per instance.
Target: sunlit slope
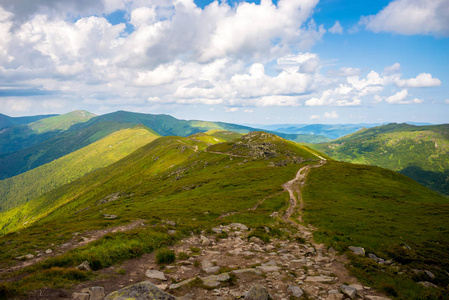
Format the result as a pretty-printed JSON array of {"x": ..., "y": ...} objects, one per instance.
[
  {"x": 381, "y": 210},
  {"x": 29, "y": 185},
  {"x": 420, "y": 152},
  {"x": 19, "y": 137},
  {"x": 7, "y": 121}
]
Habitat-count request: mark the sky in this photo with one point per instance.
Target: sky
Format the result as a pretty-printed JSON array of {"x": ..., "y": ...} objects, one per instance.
[{"x": 252, "y": 62}]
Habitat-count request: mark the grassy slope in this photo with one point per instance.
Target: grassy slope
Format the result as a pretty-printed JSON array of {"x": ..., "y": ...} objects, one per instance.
[
  {"x": 7, "y": 121},
  {"x": 170, "y": 178},
  {"x": 379, "y": 210},
  {"x": 20, "y": 137},
  {"x": 419, "y": 152},
  {"x": 29, "y": 185}
]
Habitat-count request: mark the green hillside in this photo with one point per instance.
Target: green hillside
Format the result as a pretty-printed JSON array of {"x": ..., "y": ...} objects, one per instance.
[
  {"x": 420, "y": 152},
  {"x": 29, "y": 185},
  {"x": 19, "y": 137},
  {"x": 381, "y": 210},
  {"x": 7, "y": 121}
]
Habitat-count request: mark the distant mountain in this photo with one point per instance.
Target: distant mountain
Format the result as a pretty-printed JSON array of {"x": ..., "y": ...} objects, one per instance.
[
  {"x": 420, "y": 152},
  {"x": 19, "y": 137},
  {"x": 7, "y": 121},
  {"x": 29, "y": 185}
]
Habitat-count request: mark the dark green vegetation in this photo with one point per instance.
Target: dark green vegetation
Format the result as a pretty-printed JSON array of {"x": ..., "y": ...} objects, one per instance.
[
  {"x": 420, "y": 152},
  {"x": 29, "y": 185},
  {"x": 186, "y": 180},
  {"x": 384, "y": 212},
  {"x": 7, "y": 121},
  {"x": 23, "y": 148},
  {"x": 165, "y": 256}
]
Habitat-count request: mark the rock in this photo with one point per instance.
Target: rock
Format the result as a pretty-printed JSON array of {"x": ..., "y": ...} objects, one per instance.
[
  {"x": 84, "y": 266},
  {"x": 319, "y": 279},
  {"x": 215, "y": 280},
  {"x": 95, "y": 292},
  {"x": 372, "y": 297},
  {"x": 427, "y": 284},
  {"x": 171, "y": 223},
  {"x": 430, "y": 274},
  {"x": 80, "y": 296},
  {"x": 211, "y": 270},
  {"x": 357, "y": 250},
  {"x": 204, "y": 241},
  {"x": 140, "y": 291},
  {"x": 110, "y": 217},
  {"x": 206, "y": 264},
  {"x": 48, "y": 251},
  {"x": 238, "y": 226},
  {"x": 358, "y": 287},
  {"x": 155, "y": 274},
  {"x": 171, "y": 232},
  {"x": 180, "y": 284},
  {"x": 337, "y": 296},
  {"x": 162, "y": 286},
  {"x": 268, "y": 268},
  {"x": 217, "y": 230},
  {"x": 26, "y": 256},
  {"x": 240, "y": 271},
  {"x": 348, "y": 291},
  {"x": 256, "y": 240},
  {"x": 257, "y": 292},
  {"x": 296, "y": 290}
]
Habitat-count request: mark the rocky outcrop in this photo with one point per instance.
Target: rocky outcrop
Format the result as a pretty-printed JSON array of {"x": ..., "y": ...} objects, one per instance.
[{"x": 140, "y": 291}]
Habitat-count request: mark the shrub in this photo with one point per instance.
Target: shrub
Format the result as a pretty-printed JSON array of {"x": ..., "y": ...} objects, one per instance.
[
  {"x": 165, "y": 256},
  {"x": 402, "y": 254},
  {"x": 183, "y": 256}
]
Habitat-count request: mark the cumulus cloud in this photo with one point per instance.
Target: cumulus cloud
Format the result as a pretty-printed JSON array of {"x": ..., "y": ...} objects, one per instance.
[
  {"x": 399, "y": 98},
  {"x": 336, "y": 28},
  {"x": 394, "y": 68},
  {"x": 410, "y": 17},
  {"x": 314, "y": 117},
  {"x": 422, "y": 80},
  {"x": 331, "y": 115}
]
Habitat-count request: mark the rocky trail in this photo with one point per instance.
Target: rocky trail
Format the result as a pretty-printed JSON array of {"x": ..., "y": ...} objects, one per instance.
[{"x": 229, "y": 263}]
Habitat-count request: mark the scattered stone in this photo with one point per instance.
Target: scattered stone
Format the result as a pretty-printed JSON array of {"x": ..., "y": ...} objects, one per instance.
[
  {"x": 84, "y": 266},
  {"x": 257, "y": 292},
  {"x": 269, "y": 268},
  {"x": 109, "y": 217},
  {"x": 337, "y": 296},
  {"x": 204, "y": 241},
  {"x": 171, "y": 232},
  {"x": 348, "y": 291},
  {"x": 238, "y": 226},
  {"x": 430, "y": 274},
  {"x": 140, "y": 291},
  {"x": 256, "y": 240},
  {"x": 217, "y": 230},
  {"x": 162, "y": 286},
  {"x": 319, "y": 279},
  {"x": 80, "y": 296},
  {"x": 358, "y": 287},
  {"x": 180, "y": 284},
  {"x": 372, "y": 297},
  {"x": 171, "y": 223},
  {"x": 296, "y": 290},
  {"x": 26, "y": 256},
  {"x": 215, "y": 280},
  {"x": 240, "y": 271},
  {"x": 211, "y": 270},
  {"x": 206, "y": 264},
  {"x": 357, "y": 250},
  {"x": 427, "y": 284},
  {"x": 95, "y": 292},
  {"x": 48, "y": 251},
  {"x": 155, "y": 274}
]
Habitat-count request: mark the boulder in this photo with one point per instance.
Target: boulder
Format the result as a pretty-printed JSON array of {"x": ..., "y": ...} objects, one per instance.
[
  {"x": 95, "y": 292},
  {"x": 84, "y": 266},
  {"x": 204, "y": 241},
  {"x": 211, "y": 270},
  {"x": 257, "y": 292},
  {"x": 180, "y": 284},
  {"x": 348, "y": 291},
  {"x": 48, "y": 251},
  {"x": 80, "y": 296},
  {"x": 372, "y": 297},
  {"x": 238, "y": 226},
  {"x": 357, "y": 250},
  {"x": 296, "y": 291},
  {"x": 256, "y": 240},
  {"x": 155, "y": 274},
  {"x": 215, "y": 280},
  {"x": 319, "y": 279},
  {"x": 109, "y": 217},
  {"x": 427, "y": 284},
  {"x": 217, "y": 230},
  {"x": 140, "y": 291},
  {"x": 430, "y": 274}
]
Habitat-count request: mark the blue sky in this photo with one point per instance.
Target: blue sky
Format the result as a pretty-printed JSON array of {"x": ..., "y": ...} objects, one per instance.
[{"x": 265, "y": 62}]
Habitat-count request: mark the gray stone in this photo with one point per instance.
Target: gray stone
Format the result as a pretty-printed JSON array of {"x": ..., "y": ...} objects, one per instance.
[
  {"x": 319, "y": 279},
  {"x": 171, "y": 232},
  {"x": 238, "y": 226},
  {"x": 296, "y": 291},
  {"x": 204, "y": 241},
  {"x": 240, "y": 271},
  {"x": 95, "y": 292},
  {"x": 348, "y": 291},
  {"x": 357, "y": 250},
  {"x": 269, "y": 268},
  {"x": 256, "y": 240},
  {"x": 84, "y": 266},
  {"x": 80, "y": 296},
  {"x": 430, "y": 274},
  {"x": 140, "y": 291},
  {"x": 180, "y": 284},
  {"x": 206, "y": 264},
  {"x": 372, "y": 297},
  {"x": 217, "y": 230},
  {"x": 48, "y": 251},
  {"x": 257, "y": 292},
  {"x": 358, "y": 287},
  {"x": 215, "y": 280},
  {"x": 110, "y": 217},
  {"x": 427, "y": 284},
  {"x": 171, "y": 223},
  {"x": 155, "y": 274},
  {"x": 211, "y": 270},
  {"x": 26, "y": 256}
]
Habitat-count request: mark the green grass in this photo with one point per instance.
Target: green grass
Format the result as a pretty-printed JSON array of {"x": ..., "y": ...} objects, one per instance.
[
  {"x": 165, "y": 256},
  {"x": 371, "y": 207},
  {"x": 61, "y": 122},
  {"x": 29, "y": 185}
]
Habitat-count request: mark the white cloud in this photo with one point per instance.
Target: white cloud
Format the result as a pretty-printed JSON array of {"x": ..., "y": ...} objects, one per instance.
[
  {"x": 314, "y": 117},
  {"x": 248, "y": 111},
  {"x": 231, "y": 109},
  {"x": 399, "y": 98},
  {"x": 331, "y": 115},
  {"x": 336, "y": 28},
  {"x": 394, "y": 68},
  {"x": 446, "y": 101},
  {"x": 411, "y": 17},
  {"x": 422, "y": 80}
]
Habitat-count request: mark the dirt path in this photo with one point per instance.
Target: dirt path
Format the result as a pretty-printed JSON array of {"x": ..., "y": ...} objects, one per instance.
[
  {"x": 228, "y": 154},
  {"x": 87, "y": 237}
]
